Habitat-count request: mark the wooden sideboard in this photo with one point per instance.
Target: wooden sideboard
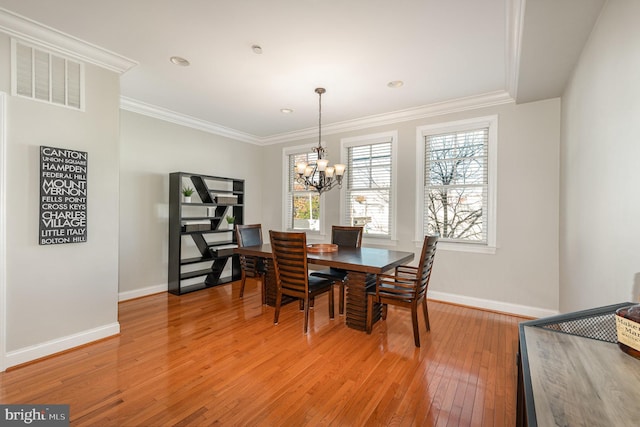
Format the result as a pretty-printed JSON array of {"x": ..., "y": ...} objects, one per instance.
[{"x": 572, "y": 373}]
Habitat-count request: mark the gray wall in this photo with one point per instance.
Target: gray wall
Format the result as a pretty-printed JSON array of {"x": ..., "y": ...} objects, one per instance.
[
  {"x": 60, "y": 296},
  {"x": 150, "y": 150},
  {"x": 599, "y": 241},
  {"x": 522, "y": 276}
]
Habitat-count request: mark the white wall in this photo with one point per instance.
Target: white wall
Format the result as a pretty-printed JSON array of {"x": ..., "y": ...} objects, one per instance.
[
  {"x": 522, "y": 276},
  {"x": 599, "y": 241},
  {"x": 60, "y": 296},
  {"x": 150, "y": 150}
]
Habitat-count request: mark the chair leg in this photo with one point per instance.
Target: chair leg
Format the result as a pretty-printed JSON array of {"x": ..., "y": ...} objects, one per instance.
[
  {"x": 369, "y": 313},
  {"x": 244, "y": 279},
  {"x": 306, "y": 316},
  {"x": 426, "y": 314},
  {"x": 278, "y": 303},
  {"x": 302, "y": 304},
  {"x": 331, "y": 303},
  {"x": 384, "y": 311},
  {"x": 263, "y": 285},
  {"x": 414, "y": 320},
  {"x": 341, "y": 300}
]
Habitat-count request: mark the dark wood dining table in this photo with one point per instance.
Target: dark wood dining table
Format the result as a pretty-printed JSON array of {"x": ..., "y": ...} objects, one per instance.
[{"x": 362, "y": 266}]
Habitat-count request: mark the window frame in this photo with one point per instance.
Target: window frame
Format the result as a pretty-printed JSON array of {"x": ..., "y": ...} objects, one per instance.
[
  {"x": 370, "y": 139},
  {"x": 492, "y": 167},
  {"x": 286, "y": 153}
]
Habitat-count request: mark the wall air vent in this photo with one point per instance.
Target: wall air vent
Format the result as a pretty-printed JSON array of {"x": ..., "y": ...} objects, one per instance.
[{"x": 44, "y": 76}]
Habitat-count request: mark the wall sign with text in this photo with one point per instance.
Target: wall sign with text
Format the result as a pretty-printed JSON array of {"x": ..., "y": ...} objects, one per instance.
[{"x": 63, "y": 196}]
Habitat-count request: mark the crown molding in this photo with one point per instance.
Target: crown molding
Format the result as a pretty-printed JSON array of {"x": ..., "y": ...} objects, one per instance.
[
  {"x": 416, "y": 113},
  {"x": 432, "y": 110},
  {"x": 161, "y": 113},
  {"x": 515, "y": 24},
  {"x": 32, "y": 32}
]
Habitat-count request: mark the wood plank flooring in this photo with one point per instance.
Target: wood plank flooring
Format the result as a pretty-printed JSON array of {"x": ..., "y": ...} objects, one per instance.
[{"x": 211, "y": 358}]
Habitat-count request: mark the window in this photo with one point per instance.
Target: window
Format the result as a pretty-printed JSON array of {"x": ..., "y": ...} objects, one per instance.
[
  {"x": 302, "y": 207},
  {"x": 458, "y": 179},
  {"x": 369, "y": 192},
  {"x": 43, "y": 76}
]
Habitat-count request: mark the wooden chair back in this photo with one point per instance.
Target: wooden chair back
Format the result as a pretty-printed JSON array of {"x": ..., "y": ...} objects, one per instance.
[
  {"x": 410, "y": 283},
  {"x": 347, "y": 236},
  {"x": 249, "y": 235},
  {"x": 290, "y": 262},
  {"x": 426, "y": 263}
]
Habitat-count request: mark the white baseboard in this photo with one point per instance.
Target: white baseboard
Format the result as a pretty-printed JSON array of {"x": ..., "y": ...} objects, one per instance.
[
  {"x": 123, "y": 296},
  {"x": 503, "y": 307},
  {"x": 48, "y": 348}
]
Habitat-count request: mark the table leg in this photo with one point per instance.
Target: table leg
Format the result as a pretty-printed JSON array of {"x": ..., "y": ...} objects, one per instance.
[
  {"x": 357, "y": 286},
  {"x": 270, "y": 283}
]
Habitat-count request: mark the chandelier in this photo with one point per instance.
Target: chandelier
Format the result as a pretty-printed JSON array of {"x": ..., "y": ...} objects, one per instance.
[{"x": 319, "y": 175}]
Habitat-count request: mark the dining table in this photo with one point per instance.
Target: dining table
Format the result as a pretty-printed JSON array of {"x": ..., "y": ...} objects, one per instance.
[{"x": 362, "y": 265}]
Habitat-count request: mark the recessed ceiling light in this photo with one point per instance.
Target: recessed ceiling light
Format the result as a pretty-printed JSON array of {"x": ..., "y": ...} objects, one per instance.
[
  {"x": 286, "y": 110},
  {"x": 395, "y": 84},
  {"x": 179, "y": 61},
  {"x": 256, "y": 49}
]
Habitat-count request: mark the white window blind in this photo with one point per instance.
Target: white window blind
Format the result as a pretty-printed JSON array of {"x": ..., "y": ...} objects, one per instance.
[
  {"x": 456, "y": 185},
  {"x": 369, "y": 184},
  {"x": 41, "y": 75},
  {"x": 303, "y": 206}
]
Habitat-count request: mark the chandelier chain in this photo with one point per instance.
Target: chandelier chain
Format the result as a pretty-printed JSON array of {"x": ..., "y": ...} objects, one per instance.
[{"x": 319, "y": 176}]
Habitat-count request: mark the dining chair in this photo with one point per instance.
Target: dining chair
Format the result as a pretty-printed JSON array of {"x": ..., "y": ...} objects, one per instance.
[
  {"x": 343, "y": 236},
  {"x": 292, "y": 273},
  {"x": 406, "y": 288},
  {"x": 250, "y": 266}
]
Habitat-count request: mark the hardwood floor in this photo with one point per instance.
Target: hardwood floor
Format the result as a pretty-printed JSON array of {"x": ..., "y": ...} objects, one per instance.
[{"x": 211, "y": 358}]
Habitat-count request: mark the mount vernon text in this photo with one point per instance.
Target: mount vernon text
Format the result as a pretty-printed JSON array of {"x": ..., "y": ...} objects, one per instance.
[{"x": 63, "y": 196}]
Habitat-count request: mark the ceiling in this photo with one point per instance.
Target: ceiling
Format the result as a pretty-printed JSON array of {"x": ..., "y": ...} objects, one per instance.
[{"x": 442, "y": 50}]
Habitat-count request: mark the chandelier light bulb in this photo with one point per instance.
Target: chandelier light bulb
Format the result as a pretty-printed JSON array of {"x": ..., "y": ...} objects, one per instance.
[
  {"x": 300, "y": 167},
  {"x": 322, "y": 164},
  {"x": 329, "y": 171}
]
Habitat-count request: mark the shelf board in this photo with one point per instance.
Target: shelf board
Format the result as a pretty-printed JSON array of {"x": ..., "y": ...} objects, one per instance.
[
  {"x": 199, "y": 218},
  {"x": 197, "y": 273},
  {"x": 199, "y": 286},
  {"x": 192, "y": 288},
  {"x": 205, "y": 231},
  {"x": 226, "y": 242},
  {"x": 210, "y": 204},
  {"x": 199, "y": 259},
  {"x": 224, "y": 191},
  {"x": 196, "y": 260}
]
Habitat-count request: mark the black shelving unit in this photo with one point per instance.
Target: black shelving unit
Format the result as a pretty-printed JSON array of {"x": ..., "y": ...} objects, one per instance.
[{"x": 200, "y": 241}]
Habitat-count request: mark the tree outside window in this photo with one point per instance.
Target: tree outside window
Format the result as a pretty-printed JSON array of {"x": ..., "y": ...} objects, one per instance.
[
  {"x": 306, "y": 211},
  {"x": 456, "y": 185},
  {"x": 303, "y": 206}
]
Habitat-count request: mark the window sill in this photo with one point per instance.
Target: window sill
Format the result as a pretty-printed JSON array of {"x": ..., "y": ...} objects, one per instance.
[
  {"x": 378, "y": 241},
  {"x": 461, "y": 247}
]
